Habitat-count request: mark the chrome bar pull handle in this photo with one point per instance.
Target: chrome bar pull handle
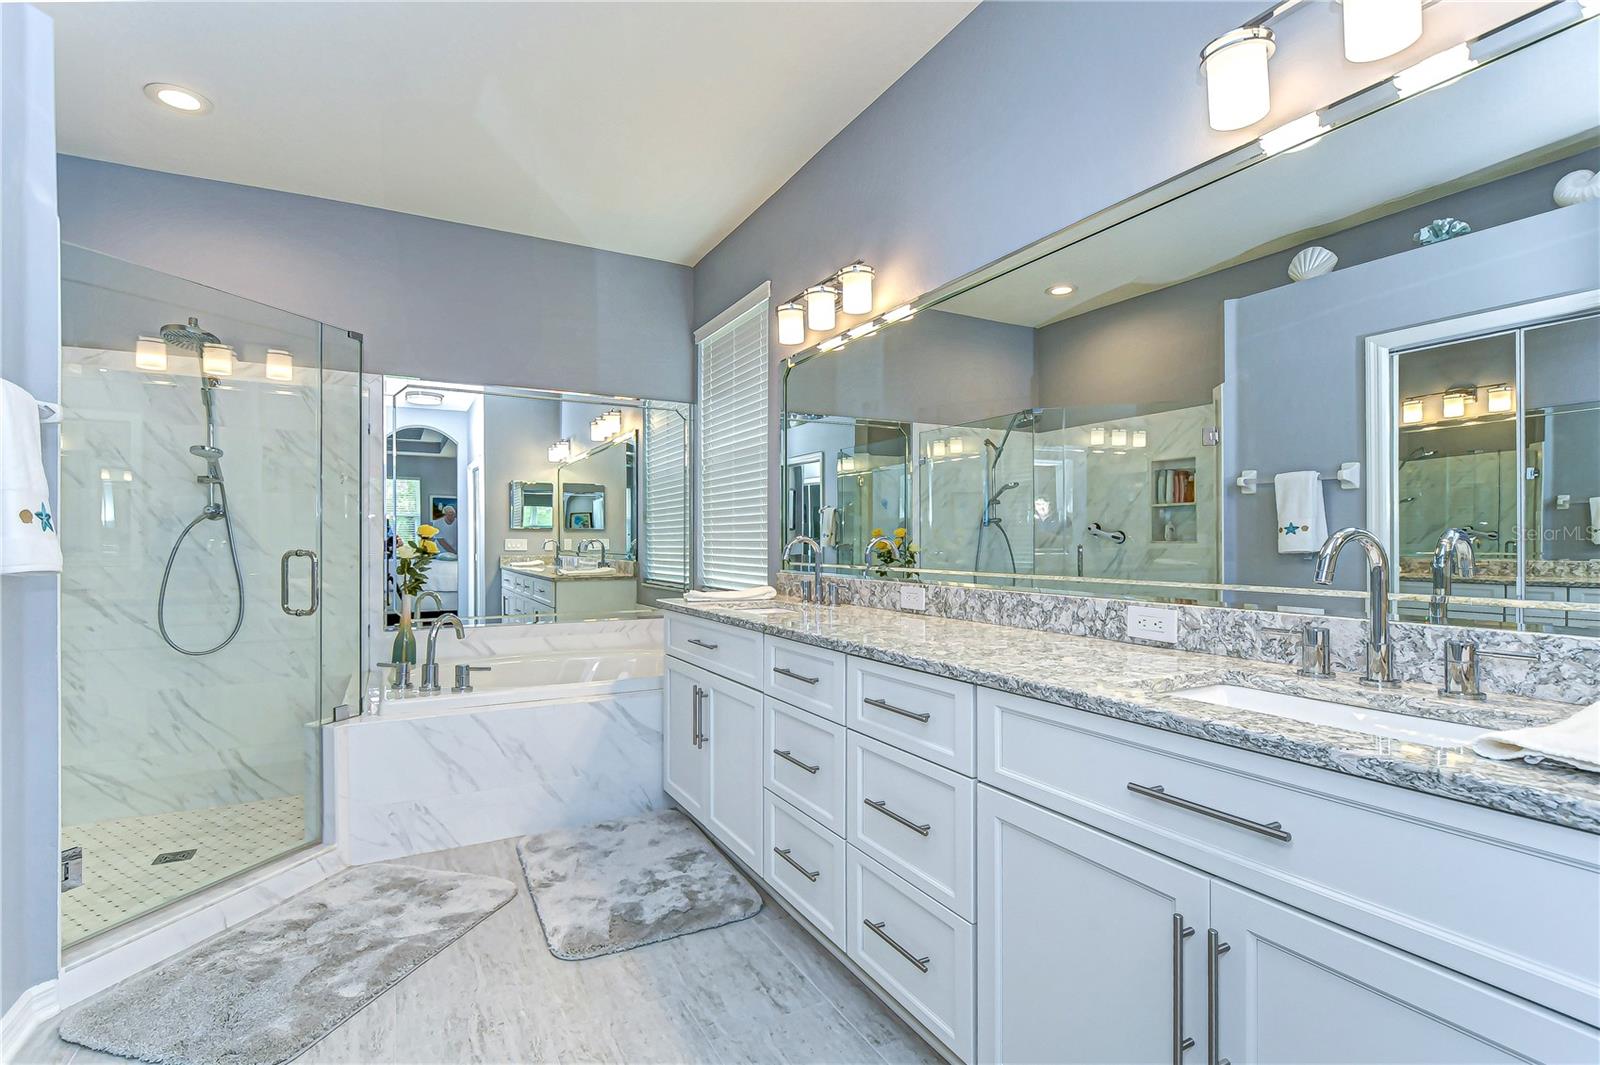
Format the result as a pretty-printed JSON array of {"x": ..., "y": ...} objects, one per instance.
[
  {"x": 893, "y": 709},
  {"x": 792, "y": 675},
  {"x": 695, "y": 723},
  {"x": 283, "y": 582},
  {"x": 1272, "y": 829},
  {"x": 783, "y": 852},
  {"x": 883, "y": 808},
  {"x": 1180, "y": 1042},
  {"x": 788, "y": 756},
  {"x": 702, "y": 643},
  {"x": 1215, "y": 949},
  {"x": 877, "y": 929}
]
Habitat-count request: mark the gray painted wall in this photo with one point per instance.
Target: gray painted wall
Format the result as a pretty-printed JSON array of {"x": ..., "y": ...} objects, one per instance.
[{"x": 434, "y": 299}]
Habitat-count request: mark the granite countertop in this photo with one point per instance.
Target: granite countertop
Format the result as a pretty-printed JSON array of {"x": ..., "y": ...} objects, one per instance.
[
  {"x": 1138, "y": 683},
  {"x": 550, "y": 573}
]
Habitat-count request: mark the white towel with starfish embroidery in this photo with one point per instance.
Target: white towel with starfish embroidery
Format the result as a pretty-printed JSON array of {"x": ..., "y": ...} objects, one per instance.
[
  {"x": 28, "y": 542},
  {"x": 1302, "y": 523}
]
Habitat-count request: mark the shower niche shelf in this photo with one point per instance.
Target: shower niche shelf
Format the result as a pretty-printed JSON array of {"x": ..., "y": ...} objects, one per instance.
[{"x": 1174, "y": 517}]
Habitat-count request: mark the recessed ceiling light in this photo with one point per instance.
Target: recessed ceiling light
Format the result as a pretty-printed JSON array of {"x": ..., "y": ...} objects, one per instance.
[
  {"x": 417, "y": 397},
  {"x": 1062, "y": 289},
  {"x": 178, "y": 98}
]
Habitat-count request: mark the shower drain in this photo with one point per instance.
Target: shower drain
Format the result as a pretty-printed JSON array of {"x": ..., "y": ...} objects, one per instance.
[{"x": 174, "y": 856}]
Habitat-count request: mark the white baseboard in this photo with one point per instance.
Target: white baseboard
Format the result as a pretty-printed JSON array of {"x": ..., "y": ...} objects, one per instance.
[{"x": 33, "y": 1009}]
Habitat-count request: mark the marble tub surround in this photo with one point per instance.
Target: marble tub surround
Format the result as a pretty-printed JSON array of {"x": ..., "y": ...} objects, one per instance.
[
  {"x": 1130, "y": 682},
  {"x": 577, "y": 637},
  {"x": 1567, "y": 669}
]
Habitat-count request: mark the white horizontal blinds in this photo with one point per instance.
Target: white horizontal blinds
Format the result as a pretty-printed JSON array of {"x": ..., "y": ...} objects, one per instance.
[
  {"x": 733, "y": 452},
  {"x": 666, "y": 495}
]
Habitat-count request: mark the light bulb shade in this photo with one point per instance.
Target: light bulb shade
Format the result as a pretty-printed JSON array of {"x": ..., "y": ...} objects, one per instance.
[
  {"x": 820, "y": 308},
  {"x": 1454, "y": 404},
  {"x": 597, "y": 429},
  {"x": 560, "y": 451},
  {"x": 1140, "y": 438},
  {"x": 1097, "y": 436},
  {"x": 1377, "y": 29},
  {"x": 939, "y": 449},
  {"x": 956, "y": 446},
  {"x": 1502, "y": 398},
  {"x": 606, "y": 425},
  {"x": 1411, "y": 412},
  {"x": 280, "y": 365},
  {"x": 150, "y": 353},
  {"x": 1119, "y": 438},
  {"x": 216, "y": 360},
  {"x": 1238, "y": 93},
  {"x": 1435, "y": 70},
  {"x": 791, "y": 323},
  {"x": 855, "y": 288}
]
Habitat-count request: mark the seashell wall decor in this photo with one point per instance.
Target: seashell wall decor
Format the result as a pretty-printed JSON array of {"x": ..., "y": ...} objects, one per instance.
[
  {"x": 1580, "y": 186},
  {"x": 1312, "y": 262}
]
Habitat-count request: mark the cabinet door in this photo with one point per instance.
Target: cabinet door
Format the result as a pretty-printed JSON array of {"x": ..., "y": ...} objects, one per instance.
[
  {"x": 684, "y": 759},
  {"x": 732, "y": 721},
  {"x": 1082, "y": 955},
  {"x": 1294, "y": 988}
]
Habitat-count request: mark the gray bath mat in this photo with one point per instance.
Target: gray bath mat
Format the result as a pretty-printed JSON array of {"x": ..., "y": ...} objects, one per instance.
[
  {"x": 622, "y": 884},
  {"x": 263, "y": 992}
]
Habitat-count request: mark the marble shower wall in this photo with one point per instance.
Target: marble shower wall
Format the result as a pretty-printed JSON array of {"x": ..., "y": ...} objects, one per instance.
[
  {"x": 146, "y": 730},
  {"x": 1566, "y": 668}
]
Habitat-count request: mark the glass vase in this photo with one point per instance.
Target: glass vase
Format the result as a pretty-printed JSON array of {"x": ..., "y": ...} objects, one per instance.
[{"x": 405, "y": 636}]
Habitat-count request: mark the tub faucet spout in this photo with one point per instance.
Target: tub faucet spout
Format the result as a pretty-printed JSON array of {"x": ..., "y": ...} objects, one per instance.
[{"x": 430, "y": 668}]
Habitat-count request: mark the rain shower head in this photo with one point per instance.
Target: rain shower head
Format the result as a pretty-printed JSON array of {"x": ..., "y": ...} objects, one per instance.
[{"x": 188, "y": 336}]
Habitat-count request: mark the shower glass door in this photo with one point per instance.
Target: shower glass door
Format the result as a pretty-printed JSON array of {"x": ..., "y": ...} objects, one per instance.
[{"x": 210, "y": 499}]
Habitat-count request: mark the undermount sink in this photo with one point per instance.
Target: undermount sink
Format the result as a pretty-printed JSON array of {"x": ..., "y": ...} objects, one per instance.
[{"x": 1426, "y": 731}]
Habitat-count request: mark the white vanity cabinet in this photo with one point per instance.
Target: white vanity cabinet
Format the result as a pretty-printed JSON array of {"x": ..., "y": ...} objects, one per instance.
[{"x": 711, "y": 756}]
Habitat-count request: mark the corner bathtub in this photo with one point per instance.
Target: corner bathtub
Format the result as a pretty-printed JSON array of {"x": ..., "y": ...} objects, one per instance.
[{"x": 554, "y": 739}]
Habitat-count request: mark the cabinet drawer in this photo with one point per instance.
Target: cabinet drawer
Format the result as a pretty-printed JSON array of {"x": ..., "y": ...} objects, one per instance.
[
  {"x": 917, "y": 712},
  {"x": 811, "y": 678},
  {"x": 805, "y": 864},
  {"x": 1428, "y": 875},
  {"x": 914, "y": 817},
  {"x": 542, "y": 590},
  {"x": 723, "y": 649},
  {"x": 914, "y": 949},
  {"x": 805, "y": 763}
]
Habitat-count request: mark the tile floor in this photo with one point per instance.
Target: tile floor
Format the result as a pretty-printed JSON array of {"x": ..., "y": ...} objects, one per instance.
[
  {"x": 122, "y": 881},
  {"x": 760, "y": 990}
]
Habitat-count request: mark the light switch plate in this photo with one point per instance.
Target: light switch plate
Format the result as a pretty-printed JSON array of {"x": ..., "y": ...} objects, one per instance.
[
  {"x": 514, "y": 543},
  {"x": 913, "y": 597},
  {"x": 1158, "y": 624}
]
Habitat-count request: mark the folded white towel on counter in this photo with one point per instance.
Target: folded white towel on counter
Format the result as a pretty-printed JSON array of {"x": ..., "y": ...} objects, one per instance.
[
  {"x": 1302, "y": 522},
  {"x": 1574, "y": 742},
  {"x": 737, "y": 595},
  {"x": 28, "y": 539},
  {"x": 828, "y": 526},
  {"x": 1594, "y": 519}
]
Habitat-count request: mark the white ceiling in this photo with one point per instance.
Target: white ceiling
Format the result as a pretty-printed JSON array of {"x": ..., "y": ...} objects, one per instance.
[{"x": 647, "y": 128}]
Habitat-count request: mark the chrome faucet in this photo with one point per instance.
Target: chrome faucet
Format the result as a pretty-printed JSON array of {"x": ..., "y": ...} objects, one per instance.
[
  {"x": 808, "y": 586},
  {"x": 596, "y": 541},
  {"x": 1380, "y": 645},
  {"x": 894, "y": 552},
  {"x": 1453, "y": 558},
  {"x": 430, "y": 668}
]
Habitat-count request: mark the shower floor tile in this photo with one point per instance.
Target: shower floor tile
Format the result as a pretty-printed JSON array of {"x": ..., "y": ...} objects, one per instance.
[{"x": 121, "y": 877}]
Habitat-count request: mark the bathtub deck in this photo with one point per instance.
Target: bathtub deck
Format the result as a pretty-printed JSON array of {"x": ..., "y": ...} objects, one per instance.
[{"x": 755, "y": 991}]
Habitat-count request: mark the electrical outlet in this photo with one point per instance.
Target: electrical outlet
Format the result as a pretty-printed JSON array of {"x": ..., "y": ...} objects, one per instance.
[
  {"x": 913, "y": 597},
  {"x": 516, "y": 543},
  {"x": 1158, "y": 624}
]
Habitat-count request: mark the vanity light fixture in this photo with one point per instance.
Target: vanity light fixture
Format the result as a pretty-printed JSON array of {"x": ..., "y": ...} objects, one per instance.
[
  {"x": 1238, "y": 93},
  {"x": 280, "y": 366},
  {"x": 1455, "y": 402},
  {"x": 606, "y": 425},
  {"x": 820, "y": 312},
  {"x": 855, "y": 288},
  {"x": 956, "y": 446},
  {"x": 561, "y": 450},
  {"x": 1435, "y": 70},
  {"x": 421, "y": 397},
  {"x": 1377, "y": 29},
  {"x": 1411, "y": 412},
  {"x": 938, "y": 449},
  {"x": 1097, "y": 437},
  {"x": 899, "y": 314},
  {"x": 1501, "y": 399},
  {"x": 1140, "y": 438},
  {"x": 1060, "y": 289},
  {"x": 1293, "y": 136},
  {"x": 1119, "y": 438},
  {"x": 791, "y": 323},
  {"x": 216, "y": 360},
  {"x": 150, "y": 353},
  {"x": 184, "y": 101}
]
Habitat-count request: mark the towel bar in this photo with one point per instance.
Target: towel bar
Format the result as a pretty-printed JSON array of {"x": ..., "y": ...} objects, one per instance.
[{"x": 1348, "y": 476}]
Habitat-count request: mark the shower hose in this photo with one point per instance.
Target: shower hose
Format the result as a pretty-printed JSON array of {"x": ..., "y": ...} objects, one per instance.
[{"x": 208, "y": 514}]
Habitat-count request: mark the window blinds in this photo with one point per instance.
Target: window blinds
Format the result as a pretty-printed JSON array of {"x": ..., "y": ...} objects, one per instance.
[
  {"x": 732, "y": 452},
  {"x": 666, "y": 495}
]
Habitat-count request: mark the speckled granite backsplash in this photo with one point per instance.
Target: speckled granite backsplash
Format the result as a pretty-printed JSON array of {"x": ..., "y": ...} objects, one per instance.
[{"x": 1567, "y": 669}]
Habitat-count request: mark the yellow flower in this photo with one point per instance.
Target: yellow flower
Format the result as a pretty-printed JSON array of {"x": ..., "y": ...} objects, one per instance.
[
  {"x": 900, "y": 534},
  {"x": 430, "y": 547},
  {"x": 427, "y": 530},
  {"x": 877, "y": 532}
]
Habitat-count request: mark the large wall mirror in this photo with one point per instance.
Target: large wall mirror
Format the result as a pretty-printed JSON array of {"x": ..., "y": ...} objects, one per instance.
[
  {"x": 1388, "y": 319},
  {"x": 545, "y": 505}
]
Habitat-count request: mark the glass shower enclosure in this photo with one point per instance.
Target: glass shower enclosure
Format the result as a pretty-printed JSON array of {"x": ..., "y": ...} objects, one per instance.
[{"x": 210, "y": 523}]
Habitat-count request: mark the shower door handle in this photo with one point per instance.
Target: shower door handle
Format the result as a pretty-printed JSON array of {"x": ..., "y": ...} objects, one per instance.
[{"x": 316, "y": 582}]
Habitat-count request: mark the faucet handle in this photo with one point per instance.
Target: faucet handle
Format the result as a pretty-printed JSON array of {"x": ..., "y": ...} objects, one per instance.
[
  {"x": 464, "y": 677},
  {"x": 1316, "y": 659},
  {"x": 402, "y": 674}
]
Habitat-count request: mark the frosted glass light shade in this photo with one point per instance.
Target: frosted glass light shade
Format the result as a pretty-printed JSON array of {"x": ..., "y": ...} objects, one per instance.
[
  {"x": 1119, "y": 438},
  {"x": 150, "y": 353},
  {"x": 1411, "y": 412},
  {"x": 1502, "y": 398},
  {"x": 606, "y": 425},
  {"x": 820, "y": 308},
  {"x": 1435, "y": 70},
  {"x": 1454, "y": 404},
  {"x": 1376, "y": 29},
  {"x": 956, "y": 446},
  {"x": 1140, "y": 438},
  {"x": 938, "y": 449},
  {"x": 1238, "y": 93},
  {"x": 280, "y": 365},
  {"x": 560, "y": 451},
  {"x": 791, "y": 323},
  {"x": 855, "y": 288},
  {"x": 216, "y": 360},
  {"x": 1097, "y": 437}
]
